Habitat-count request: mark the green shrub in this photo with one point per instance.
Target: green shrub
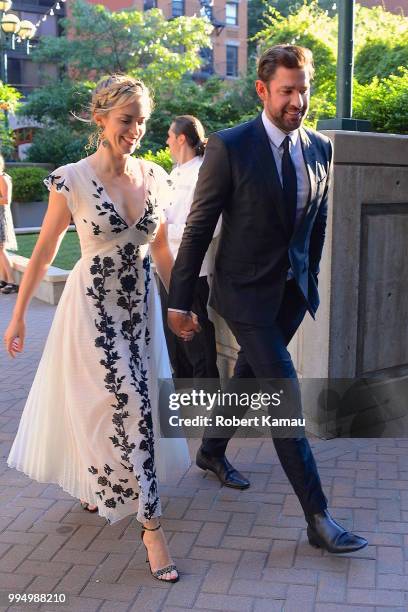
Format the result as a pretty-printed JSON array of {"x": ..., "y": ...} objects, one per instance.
[
  {"x": 384, "y": 102},
  {"x": 379, "y": 58},
  {"x": 28, "y": 184},
  {"x": 58, "y": 146},
  {"x": 161, "y": 157}
]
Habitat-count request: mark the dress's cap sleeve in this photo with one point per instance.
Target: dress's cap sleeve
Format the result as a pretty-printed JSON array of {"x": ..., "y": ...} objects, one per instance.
[
  {"x": 163, "y": 190},
  {"x": 59, "y": 179}
]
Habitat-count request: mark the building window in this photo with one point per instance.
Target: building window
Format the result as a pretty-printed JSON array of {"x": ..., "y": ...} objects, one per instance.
[
  {"x": 149, "y": 4},
  {"x": 177, "y": 8},
  {"x": 232, "y": 60},
  {"x": 231, "y": 13},
  {"x": 208, "y": 61}
]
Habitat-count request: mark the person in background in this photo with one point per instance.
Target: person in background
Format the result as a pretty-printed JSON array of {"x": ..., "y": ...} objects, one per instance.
[
  {"x": 197, "y": 358},
  {"x": 7, "y": 235}
]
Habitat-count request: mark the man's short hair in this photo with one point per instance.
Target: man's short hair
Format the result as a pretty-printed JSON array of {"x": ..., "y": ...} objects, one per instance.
[{"x": 288, "y": 56}]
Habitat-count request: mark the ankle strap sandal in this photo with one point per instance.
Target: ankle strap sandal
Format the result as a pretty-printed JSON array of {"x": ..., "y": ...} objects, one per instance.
[{"x": 163, "y": 570}]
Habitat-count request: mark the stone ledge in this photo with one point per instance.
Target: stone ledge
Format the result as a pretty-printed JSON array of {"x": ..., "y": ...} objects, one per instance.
[{"x": 52, "y": 285}]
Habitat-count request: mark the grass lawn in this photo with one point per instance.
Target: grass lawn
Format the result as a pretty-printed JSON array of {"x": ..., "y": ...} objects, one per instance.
[{"x": 67, "y": 256}]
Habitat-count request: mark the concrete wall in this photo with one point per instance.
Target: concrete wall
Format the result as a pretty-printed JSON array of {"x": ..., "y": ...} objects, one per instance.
[{"x": 361, "y": 326}]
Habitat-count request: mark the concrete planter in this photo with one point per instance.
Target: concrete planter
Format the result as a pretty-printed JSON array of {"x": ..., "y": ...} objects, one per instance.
[{"x": 28, "y": 214}]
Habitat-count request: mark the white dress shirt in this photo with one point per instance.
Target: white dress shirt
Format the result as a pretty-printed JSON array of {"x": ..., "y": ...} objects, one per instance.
[
  {"x": 276, "y": 138},
  {"x": 183, "y": 179}
]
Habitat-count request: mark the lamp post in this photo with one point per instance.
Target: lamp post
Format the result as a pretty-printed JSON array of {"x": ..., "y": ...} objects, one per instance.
[
  {"x": 12, "y": 32},
  {"x": 344, "y": 82}
]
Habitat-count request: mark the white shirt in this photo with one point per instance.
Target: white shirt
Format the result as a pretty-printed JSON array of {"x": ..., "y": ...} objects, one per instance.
[
  {"x": 183, "y": 179},
  {"x": 276, "y": 138}
]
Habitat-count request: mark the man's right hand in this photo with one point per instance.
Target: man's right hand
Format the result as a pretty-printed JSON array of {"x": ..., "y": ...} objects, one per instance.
[{"x": 183, "y": 325}]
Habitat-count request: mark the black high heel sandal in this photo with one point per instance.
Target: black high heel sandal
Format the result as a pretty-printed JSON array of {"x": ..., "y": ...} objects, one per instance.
[
  {"x": 9, "y": 288},
  {"x": 164, "y": 570},
  {"x": 86, "y": 506}
]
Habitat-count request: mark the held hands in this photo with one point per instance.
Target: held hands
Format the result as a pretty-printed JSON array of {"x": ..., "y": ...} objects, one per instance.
[
  {"x": 14, "y": 337},
  {"x": 183, "y": 325}
]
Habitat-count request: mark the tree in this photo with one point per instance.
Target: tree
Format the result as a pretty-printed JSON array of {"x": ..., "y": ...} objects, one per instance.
[
  {"x": 58, "y": 102},
  {"x": 381, "y": 58},
  {"x": 9, "y": 102},
  {"x": 257, "y": 10},
  {"x": 143, "y": 44}
]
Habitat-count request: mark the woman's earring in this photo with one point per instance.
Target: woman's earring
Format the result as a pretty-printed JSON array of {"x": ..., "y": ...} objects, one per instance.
[{"x": 104, "y": 141}]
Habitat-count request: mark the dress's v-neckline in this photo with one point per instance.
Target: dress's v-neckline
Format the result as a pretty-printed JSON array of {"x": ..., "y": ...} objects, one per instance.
[{"x": 86, "y": 159}]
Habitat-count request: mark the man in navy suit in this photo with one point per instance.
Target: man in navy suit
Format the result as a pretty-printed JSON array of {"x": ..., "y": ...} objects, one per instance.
[{"x": 270, "y": 179}]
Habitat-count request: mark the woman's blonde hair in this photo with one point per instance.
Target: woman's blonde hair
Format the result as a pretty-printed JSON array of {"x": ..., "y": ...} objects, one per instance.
[
  {"x": 114, "y": 91},
  {"x": 2, "y": 164}
]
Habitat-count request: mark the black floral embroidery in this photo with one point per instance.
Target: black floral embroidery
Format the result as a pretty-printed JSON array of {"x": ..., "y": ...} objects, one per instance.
[
  {"x": 146, "y": 268},
  {"x": 149, "y": 220},
  {"x": 132, "y": 328},
  {"x": 57, "y": 180},
  {"x": 101, "y": 270},
  {"x": 104, "y": 208}
]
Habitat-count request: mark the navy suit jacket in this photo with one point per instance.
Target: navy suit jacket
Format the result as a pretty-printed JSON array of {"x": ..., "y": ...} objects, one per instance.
[{"x": 239, "y": 179}]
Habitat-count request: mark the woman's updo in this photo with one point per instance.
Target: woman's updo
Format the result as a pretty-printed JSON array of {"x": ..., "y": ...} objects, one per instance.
[
  {"x": 193, "y": 130},
  {"x": 118, "y": 90},
  {"x": 114, "y": 91}
]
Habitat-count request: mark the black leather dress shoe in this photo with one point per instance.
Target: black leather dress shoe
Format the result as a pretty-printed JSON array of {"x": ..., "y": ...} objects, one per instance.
[
  {"x": 324, "y": 532},
  {"x": 228, "y": 475}
]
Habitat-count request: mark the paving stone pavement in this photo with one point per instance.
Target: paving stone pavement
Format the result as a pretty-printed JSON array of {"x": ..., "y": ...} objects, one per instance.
[{"x": 236, "y": 550}]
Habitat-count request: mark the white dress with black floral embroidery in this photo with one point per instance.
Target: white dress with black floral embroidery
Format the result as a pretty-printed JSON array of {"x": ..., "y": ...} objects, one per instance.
[{"x": 91, "y": 415}]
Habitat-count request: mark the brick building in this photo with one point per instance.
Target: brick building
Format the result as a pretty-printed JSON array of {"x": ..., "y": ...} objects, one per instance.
[{"x": 394, "y": 6}]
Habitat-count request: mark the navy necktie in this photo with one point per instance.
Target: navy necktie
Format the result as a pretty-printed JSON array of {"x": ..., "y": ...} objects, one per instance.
[{"x": 289, "y": 184}]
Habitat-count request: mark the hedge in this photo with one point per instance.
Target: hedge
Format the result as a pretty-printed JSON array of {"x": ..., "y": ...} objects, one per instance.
[{"x": 28, "y": 184}]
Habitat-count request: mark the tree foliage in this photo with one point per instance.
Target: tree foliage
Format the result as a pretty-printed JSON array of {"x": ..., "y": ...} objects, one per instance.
[
  {"x": 144, "y": 44},
  {"x": 384, "y": 102},
  {"x": 59, "y": 102},
  {"x": 58, "y": 145}
]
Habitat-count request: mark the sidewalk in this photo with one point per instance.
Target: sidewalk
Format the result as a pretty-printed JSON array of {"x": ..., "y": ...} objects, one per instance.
[{"x": 236, "y": 550}]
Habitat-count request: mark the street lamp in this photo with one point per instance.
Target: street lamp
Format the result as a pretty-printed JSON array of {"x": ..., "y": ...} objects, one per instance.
[
  {"x": 10, "y": 27},
  {"x": 5, "y": 5}
]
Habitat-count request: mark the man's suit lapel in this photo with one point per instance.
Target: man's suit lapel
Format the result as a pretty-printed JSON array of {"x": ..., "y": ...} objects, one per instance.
[
  {"x": 267, "y": 170},
  {"x": 309, "y": 155}
]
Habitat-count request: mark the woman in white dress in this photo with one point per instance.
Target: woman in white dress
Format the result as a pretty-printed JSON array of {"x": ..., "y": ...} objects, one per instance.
[
  {"x": 7, "y": 235},
  {"x": 89, "y": 423}
]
